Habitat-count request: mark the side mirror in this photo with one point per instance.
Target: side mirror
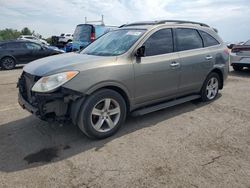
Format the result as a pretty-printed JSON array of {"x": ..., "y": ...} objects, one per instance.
[{"x": 140, "y": 52}]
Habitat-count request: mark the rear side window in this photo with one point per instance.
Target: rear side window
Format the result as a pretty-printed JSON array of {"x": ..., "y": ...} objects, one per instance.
[
  {"x": 208, "y": 39},
  {"x": 161, "y": 42},
  {"x": 15, "y": 45},
  {"x": 188, "y": 39},
  {"x": 3, "y": 46}
]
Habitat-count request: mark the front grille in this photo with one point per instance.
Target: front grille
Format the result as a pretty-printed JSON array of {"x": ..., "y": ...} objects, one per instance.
[{"x": 25, "y": 84}]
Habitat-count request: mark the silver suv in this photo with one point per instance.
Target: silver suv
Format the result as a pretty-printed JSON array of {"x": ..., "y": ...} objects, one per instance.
[{"x": 136, "y": 69}]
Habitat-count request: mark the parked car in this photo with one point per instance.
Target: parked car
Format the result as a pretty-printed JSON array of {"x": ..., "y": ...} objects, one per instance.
[
  {"x": 33, "y": 39},
  {"x": 230, "y": 45},
  {"x": 21, "y": 52},
  {"x": 65, "y": 38},
  {"x": 136, "y": 69},
  {"x": 240, "y": 56},
  {"x": 86, "y": 33},
  {"x": 68, "y": 47}
]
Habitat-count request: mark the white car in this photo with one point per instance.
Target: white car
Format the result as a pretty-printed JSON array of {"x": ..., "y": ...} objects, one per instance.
[
  {"x": 33, "y": 39},
  {"x": 65, "y": 38}
]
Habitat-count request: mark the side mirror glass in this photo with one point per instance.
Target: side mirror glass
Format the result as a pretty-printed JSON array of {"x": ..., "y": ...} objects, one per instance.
[{"x": 140, "y": 52}]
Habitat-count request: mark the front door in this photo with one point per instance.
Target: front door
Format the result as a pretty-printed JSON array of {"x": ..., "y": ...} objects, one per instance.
[{"x": 157, "y": 73}]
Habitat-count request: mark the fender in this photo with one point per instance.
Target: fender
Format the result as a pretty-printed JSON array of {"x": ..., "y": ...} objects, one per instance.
[{"x": 109, "y": 84}]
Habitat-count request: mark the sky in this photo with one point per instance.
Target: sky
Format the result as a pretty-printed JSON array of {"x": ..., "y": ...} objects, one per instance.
[{"x": 53, "y": 17}]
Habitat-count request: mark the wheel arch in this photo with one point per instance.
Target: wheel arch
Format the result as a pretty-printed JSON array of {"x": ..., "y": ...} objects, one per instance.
[
  {"x": 4, "y": 56},
  {"x": 220, "y": 73},
  {"x": 122, "y": 90}
]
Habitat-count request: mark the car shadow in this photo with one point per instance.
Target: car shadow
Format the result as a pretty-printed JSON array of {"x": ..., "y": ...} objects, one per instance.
[
  {"x": 244, "y": 73},
  {"x": 30, "y": 142}
]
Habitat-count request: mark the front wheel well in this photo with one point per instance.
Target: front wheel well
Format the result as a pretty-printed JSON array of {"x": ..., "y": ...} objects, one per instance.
[
  {"x": 219, "y": 72},
  {"x": 121, "y": 92},
  {"x": 9, "y": 57}
]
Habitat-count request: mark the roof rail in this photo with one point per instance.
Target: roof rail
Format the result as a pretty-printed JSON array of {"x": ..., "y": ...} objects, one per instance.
[{"x": 165, "y": 21}]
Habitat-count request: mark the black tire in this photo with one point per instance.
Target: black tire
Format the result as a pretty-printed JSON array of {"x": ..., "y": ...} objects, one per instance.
[
  {"x": 8, "y": 63},
  {"x": 86, "y": 117},
  {"x": 204, "y": 92},
  {"x": 237, "y": 68}
]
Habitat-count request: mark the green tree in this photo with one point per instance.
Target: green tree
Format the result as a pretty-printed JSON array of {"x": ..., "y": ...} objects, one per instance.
[
  {"x": 26, "y": 31},
  {"x": 9, "y": 34},
  {"x": 49, "y": 40}
]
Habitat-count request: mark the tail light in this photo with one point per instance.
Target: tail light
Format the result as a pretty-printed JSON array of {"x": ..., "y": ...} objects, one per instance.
[
  {"x": 235, "y": 50},
  {"x": 92, "y": 37}
]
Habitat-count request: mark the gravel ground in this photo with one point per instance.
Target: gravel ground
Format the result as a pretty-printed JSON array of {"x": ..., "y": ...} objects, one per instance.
[{"x": 191, "y": 145}]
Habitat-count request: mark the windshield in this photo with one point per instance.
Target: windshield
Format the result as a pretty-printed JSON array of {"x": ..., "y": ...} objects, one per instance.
[
  {"x": 247, "y": 43},
  {"x": 82, "y": 33},
  {"x": 114, "y": 43}
]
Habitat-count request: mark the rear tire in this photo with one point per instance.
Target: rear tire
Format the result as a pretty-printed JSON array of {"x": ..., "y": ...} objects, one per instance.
[
  {"x": 210, "y": 87},
  {"x": 237, "y": 68},
  {"x": 8, "y": 63},
  {"x": 102, "y": 114}
]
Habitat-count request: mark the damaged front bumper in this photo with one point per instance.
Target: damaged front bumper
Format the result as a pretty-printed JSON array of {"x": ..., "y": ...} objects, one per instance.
[{"x": 61, "y": 106}]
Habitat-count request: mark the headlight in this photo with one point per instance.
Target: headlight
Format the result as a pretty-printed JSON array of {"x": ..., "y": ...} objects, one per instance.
[{"x": 54, "y": 81}]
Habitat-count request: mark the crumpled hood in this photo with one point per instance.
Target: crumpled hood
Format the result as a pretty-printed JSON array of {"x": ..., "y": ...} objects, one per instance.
[{"x": 65, "y": 62}]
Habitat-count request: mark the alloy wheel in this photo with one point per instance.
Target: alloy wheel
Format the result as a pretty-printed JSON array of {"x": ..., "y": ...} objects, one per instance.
[
  {"x": 105, "y": 115},
  {"x": 212, "y": 88},
  {"x": 8, "y": 63}
]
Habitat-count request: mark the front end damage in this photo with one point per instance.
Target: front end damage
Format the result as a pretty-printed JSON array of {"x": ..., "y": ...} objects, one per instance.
[{"x": 62, "y": 105}]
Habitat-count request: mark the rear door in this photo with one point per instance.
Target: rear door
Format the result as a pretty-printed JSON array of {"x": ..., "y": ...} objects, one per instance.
[
  {"x": 157, "y": 73},
  {"x": 18, "y": 51},
  {"x": 195, "y": 61}
]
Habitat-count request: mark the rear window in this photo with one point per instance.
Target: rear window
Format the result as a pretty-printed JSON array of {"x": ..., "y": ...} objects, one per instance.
[
  {"x": 15, "y": 45},
  {"x": 188, "y": 39},
  {"x": 208, "y": 39},
  {"x": 82, "y": 33}
]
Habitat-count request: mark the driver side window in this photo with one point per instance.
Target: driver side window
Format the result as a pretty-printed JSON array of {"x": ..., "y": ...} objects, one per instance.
[{"x": 160, "y": 42}]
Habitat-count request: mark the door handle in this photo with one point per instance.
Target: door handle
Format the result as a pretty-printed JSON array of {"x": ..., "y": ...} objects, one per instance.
[
  {"x": 209, "y": 57},
  {"x": 174, "y": 64}
]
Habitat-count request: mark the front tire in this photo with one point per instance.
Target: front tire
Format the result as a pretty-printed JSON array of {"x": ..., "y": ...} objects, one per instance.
[
  {"x": 8, "y": 63},
  {"x": 210, "y": 87},
  {"x": 102, "y": 114}
]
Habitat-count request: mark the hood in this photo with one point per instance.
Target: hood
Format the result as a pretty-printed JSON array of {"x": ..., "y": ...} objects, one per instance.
[{"x": 66, "y": 62}]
